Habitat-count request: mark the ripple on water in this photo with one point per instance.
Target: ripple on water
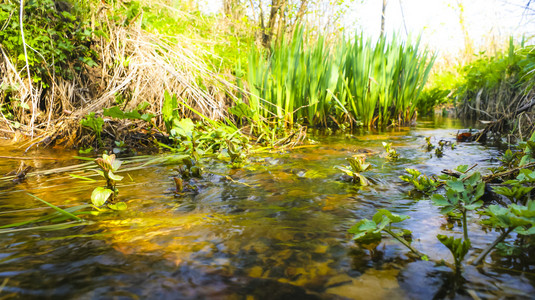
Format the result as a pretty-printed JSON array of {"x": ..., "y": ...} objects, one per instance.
[{"x": 274, "y": 230}]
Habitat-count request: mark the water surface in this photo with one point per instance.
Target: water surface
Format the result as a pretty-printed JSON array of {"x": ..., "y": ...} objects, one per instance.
[{"x": 276, "y": 229}]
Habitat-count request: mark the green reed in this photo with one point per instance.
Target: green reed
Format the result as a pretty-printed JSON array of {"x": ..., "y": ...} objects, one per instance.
[{"x": 345, "y": 79}]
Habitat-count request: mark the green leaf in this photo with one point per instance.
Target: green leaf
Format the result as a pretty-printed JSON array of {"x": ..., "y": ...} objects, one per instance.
[
  {"x": 114, "y": 177},
  {"x": 475, "y": 205},
  {"x": 365, "y": 230},
  {"x": 116, "y": 112},
  {"x": 118, "y": 206},
  {"x": 242, "y": 110},
  {"x": 100, "y": 195},
  {"x": 439, "y": 200},
  {"x": 66, "y": 213},
  {"x": 394, "y": 218},
  {"x": 345, "y": 170},
  {"x": 455, "y": 185},
  {"x": 81, "y": 177},
  {"x": 457, "y": 247},
  {"x": 143, "y": 105},
  {"x": 461, "y": 168}
]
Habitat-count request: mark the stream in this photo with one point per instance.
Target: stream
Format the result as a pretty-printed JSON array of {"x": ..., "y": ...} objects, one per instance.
[{"x": 275, "y": 229}]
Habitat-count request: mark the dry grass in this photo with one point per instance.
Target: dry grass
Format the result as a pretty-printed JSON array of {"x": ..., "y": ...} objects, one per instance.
[{"x": 133, "y": 64}]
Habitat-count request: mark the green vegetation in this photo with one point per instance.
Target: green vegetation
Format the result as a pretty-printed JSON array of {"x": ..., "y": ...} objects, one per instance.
[
  {"x": 357, "y": 165},
  {"x": 421, "y": 182},
  {"x": 108, "y": 194},
  {"x": 497, "y": 87},
  {"x": 367, "y": 230},
  {"x": 463, "y": 194},
  {"x": 355, "y": 80},
  {"x": 391, "y": 154}
]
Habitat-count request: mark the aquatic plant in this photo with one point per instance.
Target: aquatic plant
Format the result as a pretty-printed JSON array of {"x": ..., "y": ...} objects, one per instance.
[
  {"x": 391, "y": 154},
  {"x": 517, "y": 218},
  {"x": 382, "y": 220},
  {"x": 458, "y": 247},
  {"x": 517, "y": 190},
  {"x": 107, "y": 195},
  {"x": 136, "y": 114},
  {"x": 357, "y": 165},
  {"x": 462, "y": 195},
  {"x": 429, "y": 146},
  {"x": 421, "y": 182},
  {"x": 57, "y": 218},
  {"x": 351, "y": 79}
]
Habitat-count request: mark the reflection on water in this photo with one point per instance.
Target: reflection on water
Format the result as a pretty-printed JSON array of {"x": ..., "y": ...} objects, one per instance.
[{"x": 274, "y": 230}]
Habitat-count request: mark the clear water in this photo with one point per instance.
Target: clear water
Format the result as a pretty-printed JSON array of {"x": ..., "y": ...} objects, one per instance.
[{"x": 276, "y": 229}]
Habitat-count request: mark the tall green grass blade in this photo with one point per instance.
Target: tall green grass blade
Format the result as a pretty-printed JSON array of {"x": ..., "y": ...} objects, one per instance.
[{"x": 64, "y": 212}]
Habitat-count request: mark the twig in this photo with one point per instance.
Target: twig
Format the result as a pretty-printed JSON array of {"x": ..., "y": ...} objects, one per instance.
[
  {"x": 481, "y": 111},
  {"x": 504, "y": 173}
]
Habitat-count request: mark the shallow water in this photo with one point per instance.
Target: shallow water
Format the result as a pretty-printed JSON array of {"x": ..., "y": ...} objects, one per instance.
[{"x": 276, "y": 229}]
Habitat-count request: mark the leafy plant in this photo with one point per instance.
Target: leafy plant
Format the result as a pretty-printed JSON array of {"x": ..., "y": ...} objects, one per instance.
[
  {"x": 518, "y": 218},
  {"x": 508, "y": 159},
  {"x": 368, "y": 83},
  {"x": 94, "y": 123},
  {"x": 462, "y": 195},
  {"x": 517, "y": 191},
  {"x": 366, "y": 230},
  {"x": 391, "y": 154},
  {"x": 429, "y": 146},
  {"x": 458, "y": 248},
  {"x": 58, "y": 33},
  {"x": 421, "y": 182},
  {"x": 136, "y": 114},
  {"x": 108, "y": 164},
  {"x": 357, "y": 165}
]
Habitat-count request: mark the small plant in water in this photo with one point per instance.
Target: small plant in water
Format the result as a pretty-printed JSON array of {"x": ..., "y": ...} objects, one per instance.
[
  {"x": 391, "y": 154},
  {"x": 366, "y": 230},
  {"x": 357, "y": 165},
  {"x": 462, "y": 195},
  {"x": 421, "y": 182},
  {"x": 107, "y": 195},
  {"x": 429, "y": 146}
]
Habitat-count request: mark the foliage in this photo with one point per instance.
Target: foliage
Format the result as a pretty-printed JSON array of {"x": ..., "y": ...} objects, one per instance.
[
  {"x": 517, "y": 192},
  {"x": 421, "y": 182},
  {"x": 94, "y": 123},
  {"x": 357, "y": 165},
  {"x": 137, "y": 114},
  {"x": 368, "y": 230},
  {"x": 57, "y": 35},
  {"x": 203, "y": 137},
  {"x": 391, "y": 154},
  {"x": 520, "y": 218},
  {"x": 108, "y": 164},
  {"x": 462, "y": 195},
  {"x": 431, "y": 98},
  {"x": 458, "y": 248},
  {"x": 357, "y": 80}
]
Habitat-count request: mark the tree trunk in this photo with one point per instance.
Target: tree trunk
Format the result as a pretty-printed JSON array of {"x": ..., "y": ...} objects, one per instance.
[
  {"x": 267, "y": 33},
  {"x": 383, "y": 19}
]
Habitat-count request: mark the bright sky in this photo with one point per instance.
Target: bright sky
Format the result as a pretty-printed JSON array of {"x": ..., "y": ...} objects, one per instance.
[{"x": 437, "y": 20}]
